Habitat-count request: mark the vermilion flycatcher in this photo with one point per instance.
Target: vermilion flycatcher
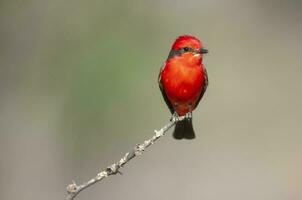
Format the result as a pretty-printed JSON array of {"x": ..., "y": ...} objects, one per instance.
[{"x": 183, "y": 81}]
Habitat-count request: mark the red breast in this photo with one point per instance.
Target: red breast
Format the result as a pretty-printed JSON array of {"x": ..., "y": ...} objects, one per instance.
[{"x": 183, "y": 80}]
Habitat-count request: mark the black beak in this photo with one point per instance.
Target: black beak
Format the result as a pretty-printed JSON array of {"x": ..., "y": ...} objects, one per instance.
[{"x": 203, "y": 51}]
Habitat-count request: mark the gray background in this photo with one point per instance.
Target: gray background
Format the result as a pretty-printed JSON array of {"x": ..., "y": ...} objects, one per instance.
[{"x": 78, "y": 83}]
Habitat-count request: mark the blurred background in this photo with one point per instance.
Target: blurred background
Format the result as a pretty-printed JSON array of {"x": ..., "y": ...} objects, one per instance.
[{"x": 78, "y": 82}]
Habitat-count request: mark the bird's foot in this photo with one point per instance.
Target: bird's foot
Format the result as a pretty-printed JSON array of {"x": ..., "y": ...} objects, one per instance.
[
  {"x": 189, "y": 115},
  {"x": 174, "y": 117}
]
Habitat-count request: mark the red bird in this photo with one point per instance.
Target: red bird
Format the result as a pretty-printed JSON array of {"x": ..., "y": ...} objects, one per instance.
[{"x": 183, "y": 81}]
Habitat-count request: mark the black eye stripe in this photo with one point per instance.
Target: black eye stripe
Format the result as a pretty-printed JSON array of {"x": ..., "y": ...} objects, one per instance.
[
  {"x": 180, "y": 51},
  {"x": 186, "y": 49}
]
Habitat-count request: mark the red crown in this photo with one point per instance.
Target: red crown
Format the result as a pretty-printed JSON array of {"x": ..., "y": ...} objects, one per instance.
[{"x": 186, "y": 41}]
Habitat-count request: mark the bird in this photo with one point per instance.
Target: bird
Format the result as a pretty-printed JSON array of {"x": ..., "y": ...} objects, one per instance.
[{"x": 183, "y": 81}]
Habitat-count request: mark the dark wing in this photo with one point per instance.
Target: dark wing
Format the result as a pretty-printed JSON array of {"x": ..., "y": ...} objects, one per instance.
[
  {"x": 161, "y": 87},
  {"x": 204, "y": 88}
]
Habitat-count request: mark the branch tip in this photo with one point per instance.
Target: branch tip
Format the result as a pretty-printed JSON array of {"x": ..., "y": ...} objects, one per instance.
[{"x": 73, "y": 189}]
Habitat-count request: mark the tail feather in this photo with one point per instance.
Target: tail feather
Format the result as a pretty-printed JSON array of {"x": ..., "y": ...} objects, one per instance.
[{"x": 184, "y": 130}]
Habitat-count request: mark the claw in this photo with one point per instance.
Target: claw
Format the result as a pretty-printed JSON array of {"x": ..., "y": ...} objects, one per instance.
[
  {"x": 175, "y": 117},
  {"x": 189, "y": 115}
]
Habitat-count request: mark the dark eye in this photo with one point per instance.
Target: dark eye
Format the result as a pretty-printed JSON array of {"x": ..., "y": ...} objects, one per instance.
[{"x": 186, "y": 49}]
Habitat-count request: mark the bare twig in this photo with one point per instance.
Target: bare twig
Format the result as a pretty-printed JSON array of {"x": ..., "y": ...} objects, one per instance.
[{"x": 73, "y": 189}]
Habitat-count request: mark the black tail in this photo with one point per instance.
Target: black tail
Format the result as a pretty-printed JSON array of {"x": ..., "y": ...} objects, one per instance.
[{"x": 184, "y": 130}]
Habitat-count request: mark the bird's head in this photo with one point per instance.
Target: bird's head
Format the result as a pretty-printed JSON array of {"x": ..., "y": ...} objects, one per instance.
[{"x": 187, "y": 46}]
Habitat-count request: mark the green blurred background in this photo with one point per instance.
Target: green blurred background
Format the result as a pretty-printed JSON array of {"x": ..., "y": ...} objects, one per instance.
[{"x": 78, "y": 84}]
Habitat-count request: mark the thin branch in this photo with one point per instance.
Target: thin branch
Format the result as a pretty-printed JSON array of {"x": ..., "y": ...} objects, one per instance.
[{"x": 73, "y": 189}]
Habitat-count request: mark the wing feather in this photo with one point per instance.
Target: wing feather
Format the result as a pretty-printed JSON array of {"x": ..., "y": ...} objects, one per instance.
[
  {"x": 161, "y": 87},
  {"x": 204, "y": 88}
]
